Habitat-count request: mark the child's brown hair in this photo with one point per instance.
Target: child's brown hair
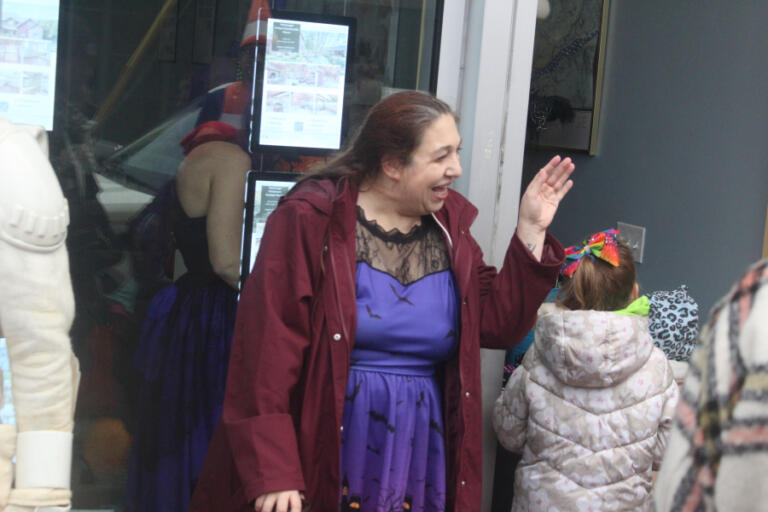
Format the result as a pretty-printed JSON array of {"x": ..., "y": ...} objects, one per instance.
[{"x": 598, "y": 285}]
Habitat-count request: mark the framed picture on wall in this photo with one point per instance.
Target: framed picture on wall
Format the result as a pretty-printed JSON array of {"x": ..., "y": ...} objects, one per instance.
[
  {"x": 566, "y": 79},
  {"x": 765, "y": 236}
]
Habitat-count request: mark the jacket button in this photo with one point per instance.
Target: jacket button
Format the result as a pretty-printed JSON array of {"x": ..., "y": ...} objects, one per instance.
[
  {"x": 325, "y": 248},
  {"x": 463, "y": 483},
  {"x": 336, "y": 337},
  {"x": 341, "y": 428},
  {"x": 466, "y": 394}
]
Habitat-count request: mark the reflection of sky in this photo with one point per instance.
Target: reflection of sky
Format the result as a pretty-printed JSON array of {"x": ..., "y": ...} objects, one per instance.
[{"x": 36, "y": 9}]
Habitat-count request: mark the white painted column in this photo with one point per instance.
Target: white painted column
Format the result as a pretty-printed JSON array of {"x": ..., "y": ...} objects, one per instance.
[
  {"x": 450, "y": 67},
  {"x": 484, "y": 73}
]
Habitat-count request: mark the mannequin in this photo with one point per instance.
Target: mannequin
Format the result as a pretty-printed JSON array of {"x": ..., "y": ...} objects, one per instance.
[{"x": 36, "y": 312}]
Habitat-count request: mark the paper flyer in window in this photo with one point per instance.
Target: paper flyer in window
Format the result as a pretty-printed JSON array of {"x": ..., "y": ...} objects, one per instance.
[
  {"x": 304, "y": 73},
  {"x": 267, "y": 195},
  {"x": 28, "y": 60}
]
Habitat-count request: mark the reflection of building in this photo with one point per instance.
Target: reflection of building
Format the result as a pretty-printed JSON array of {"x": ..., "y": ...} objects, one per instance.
[
  {"x": 9, "y": 26},
  {"x": 325, "y": 104},
  {"x": 10, "y": 51},
  {"x": 9, "y": 85},
  {"x": 35, "y": 83},
  {"x": 277, "y": 100},
  {"x": 30, "y": 29},
  {"x": 35, "y": 54}
]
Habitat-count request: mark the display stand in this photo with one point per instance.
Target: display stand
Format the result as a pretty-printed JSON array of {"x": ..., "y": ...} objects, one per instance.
[{"x": 297, "y": 107}]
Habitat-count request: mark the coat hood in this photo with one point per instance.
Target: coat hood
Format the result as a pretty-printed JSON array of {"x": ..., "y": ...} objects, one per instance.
[{"x": 592, "y": 349}]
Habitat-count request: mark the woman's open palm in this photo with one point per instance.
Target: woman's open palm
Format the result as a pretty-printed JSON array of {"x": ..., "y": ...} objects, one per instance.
[{"x": 543, "y": 195}]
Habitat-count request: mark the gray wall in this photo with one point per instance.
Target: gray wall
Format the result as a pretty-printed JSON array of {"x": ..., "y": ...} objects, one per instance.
[{"x": 683, "y": 144}]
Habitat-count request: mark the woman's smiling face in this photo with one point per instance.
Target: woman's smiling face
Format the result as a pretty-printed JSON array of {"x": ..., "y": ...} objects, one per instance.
[{"x": 423, "y": 183}]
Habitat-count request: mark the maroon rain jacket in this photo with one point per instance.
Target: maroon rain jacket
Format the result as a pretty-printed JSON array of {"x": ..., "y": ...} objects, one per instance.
[{"x": 281, "y": 424}]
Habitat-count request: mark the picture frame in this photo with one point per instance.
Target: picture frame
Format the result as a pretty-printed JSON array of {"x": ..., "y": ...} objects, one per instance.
[
  {"x": 302, "y": 75},
  {"x": 765, "y": 236},
  {"x": 567, "y": 76},
  {"x": 263, "y": 190}
]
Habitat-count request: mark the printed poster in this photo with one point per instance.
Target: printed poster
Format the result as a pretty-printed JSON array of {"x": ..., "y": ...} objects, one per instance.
[
  {"x": 304, "y": 76},
  {"x": 28, "y": 34}
]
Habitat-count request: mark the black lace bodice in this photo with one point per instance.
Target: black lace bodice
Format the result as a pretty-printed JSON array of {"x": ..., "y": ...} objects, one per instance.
[{"x": 407, "y": 257}]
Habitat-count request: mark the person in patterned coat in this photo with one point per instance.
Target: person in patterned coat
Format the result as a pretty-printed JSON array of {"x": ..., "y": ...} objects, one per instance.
[{"x": 718, "y": 451}]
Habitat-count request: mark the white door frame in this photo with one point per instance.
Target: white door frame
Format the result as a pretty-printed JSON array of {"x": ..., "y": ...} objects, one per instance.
[{"x": 484, "y": 72}]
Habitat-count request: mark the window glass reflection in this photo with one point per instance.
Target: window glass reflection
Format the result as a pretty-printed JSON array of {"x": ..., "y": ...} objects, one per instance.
[{"x": 149, "y": 134}]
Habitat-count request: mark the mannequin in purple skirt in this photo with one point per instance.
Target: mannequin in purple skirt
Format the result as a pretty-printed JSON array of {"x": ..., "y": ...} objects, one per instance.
[{"x": 183, "y": 351}]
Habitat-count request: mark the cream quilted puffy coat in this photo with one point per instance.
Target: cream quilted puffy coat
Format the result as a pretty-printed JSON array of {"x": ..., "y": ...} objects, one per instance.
[{"x": 590, "y": 408}]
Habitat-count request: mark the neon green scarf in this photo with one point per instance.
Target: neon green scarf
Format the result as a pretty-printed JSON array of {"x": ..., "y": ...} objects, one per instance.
[{"x": 640, "y": 307}]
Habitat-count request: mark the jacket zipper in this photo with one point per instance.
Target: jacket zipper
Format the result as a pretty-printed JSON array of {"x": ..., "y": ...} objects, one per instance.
[
  {"x": 336, "y": 290},
  {"x": 460, "y": 372}
]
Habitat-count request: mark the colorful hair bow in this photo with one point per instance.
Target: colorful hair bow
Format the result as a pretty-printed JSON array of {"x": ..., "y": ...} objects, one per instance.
[{"x": 600, "y": 245}]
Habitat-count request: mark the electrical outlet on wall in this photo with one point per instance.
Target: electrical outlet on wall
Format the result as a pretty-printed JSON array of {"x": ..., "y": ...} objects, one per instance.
[{"x": 634, "y": 237}]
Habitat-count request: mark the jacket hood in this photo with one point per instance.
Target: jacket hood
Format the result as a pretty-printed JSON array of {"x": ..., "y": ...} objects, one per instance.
[
  {"x": 592, "y": 349},
  {"x": 320, "y": 193}
]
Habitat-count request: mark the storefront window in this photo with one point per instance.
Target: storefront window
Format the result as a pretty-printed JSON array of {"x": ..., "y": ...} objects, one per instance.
[{"x": 131, "y": 80}]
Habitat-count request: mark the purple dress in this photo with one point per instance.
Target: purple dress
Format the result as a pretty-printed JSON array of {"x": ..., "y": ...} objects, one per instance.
[
  {"x": 393, "y": 448},
  {"x": 182, "y": 358}
]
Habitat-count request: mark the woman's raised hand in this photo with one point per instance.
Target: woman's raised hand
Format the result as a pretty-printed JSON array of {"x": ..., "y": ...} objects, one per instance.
[
  {"x": 282, "y": 501},
  {"x": 543, "y": 195}
]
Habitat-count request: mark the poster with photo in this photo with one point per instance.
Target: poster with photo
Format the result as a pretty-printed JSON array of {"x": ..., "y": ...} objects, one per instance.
[
  {"x": 28, "y": 33},
  {"x": 262, "y": 194},
  {"x": 305, "y": 67},
  {"x": 266, "y": 197}
]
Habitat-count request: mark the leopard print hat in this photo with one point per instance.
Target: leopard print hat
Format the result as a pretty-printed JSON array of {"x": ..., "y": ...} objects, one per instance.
[{"x": 674, "y": 322}]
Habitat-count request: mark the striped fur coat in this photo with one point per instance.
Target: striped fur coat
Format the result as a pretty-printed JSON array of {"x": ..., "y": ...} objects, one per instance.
[{"x": 717, "y": 456}]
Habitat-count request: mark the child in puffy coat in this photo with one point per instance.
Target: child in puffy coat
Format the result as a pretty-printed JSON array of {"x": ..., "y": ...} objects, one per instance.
[{"x": 592, "y": 404}]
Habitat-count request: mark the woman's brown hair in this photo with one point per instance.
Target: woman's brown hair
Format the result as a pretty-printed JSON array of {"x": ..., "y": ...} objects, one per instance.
[
  {"x": 392, "y": 130},
  {"x": 598, "y": 285}
]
